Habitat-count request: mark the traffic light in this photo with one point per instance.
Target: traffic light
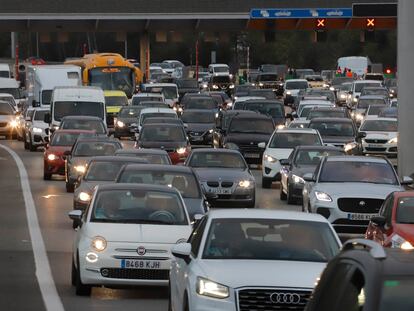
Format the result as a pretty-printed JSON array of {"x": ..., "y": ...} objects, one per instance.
[
  {"x": 320, "y": 33},
  {"x": 370, "y": 23},
  {"x": 320, "y": 24}
]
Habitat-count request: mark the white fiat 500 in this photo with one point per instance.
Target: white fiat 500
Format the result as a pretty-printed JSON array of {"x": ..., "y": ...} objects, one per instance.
[
  {"x": 251, "y": 260},
  {"x": 125, "y": 236}
]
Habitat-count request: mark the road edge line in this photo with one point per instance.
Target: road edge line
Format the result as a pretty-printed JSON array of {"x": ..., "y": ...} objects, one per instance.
[{"x": 44, "y": 275}]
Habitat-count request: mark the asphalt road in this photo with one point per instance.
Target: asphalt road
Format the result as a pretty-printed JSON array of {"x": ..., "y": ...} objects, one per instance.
[{"x": 19, "y": 288}]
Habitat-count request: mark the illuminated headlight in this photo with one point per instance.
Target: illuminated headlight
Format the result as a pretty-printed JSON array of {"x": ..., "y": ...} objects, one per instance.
[
  {"x": 98, "y": 243},
  {"x": 232, "y": 146},
  {"x": 37, "y": 130},
  {"x": 211, "y": 289},
  {"x": 327, "y": 85},
  {"x": 322, "y": 196},
  {"x": 260, "y": 84},
  {"x": 355, "y": 99},
  {"x": 204, "y": 85},
  {"x": 91, "y": 257},
  {"x": 175, "y": 109},
  {"x": 13, "y": 123},
  {"x": 391, "y": 95},
  {"x": 84, "y": 196},
  {"x": 236, "y": 97},
  {"x": 120, "y": 123},
  {"x": 298, "y": 179},
  {"x": 406, "y": 246},
  {"x": 231, "y": 86},
  {"x": 245, "y": 184},
  {"x": 80, "y": 168},
  {"x": 210, "y": 131},
  {"x": 280, "y": 126},
  {"x": 216, "y": 115},
  {"x": 180, "y": 109},
  {"x": 393, "y": 140},
  {"x": 288, "y": 93},
  {"x": 269, "y": 158},
  {"x": 215, "y": 87},
  {"x": 230, "y": 104},
  {"x": 349, "y": 147},
  {"x": 55, "y": 127},
  {"x": 331, "y": 88},
  {"x": 52, "y": 157},
  {"x": 359, "y": 116},
  {"x": 343, "y": 96},
  {"x": 181, "y": 150},
  {"x": 392, "y": 91},
  {"x": 399, "y": 242}
]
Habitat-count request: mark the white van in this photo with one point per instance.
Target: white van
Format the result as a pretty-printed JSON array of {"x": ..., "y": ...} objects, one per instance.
[
  {"x": 169, "y": 90},
  {"x": 219, "y": 70},
  {"x": 76, "y": 101},
  {"x": 41, "y": 80},
  {"x": 5, "y": 71},
  {"x": 12, "y": 87}
]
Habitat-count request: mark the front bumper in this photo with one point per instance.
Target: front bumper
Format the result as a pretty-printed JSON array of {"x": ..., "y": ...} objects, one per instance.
[
  {"x": 271, "y": 170},
  {"x": 39, "y": 139},
  {"x": 126, "y": 131},
  {"x": 54, "y": 167},
  {"x": 382, "y": 149},
  {"x": 178, "y": 158},
  {"x": 234, "y": 196},
  {"x": 201, "y": 139}
]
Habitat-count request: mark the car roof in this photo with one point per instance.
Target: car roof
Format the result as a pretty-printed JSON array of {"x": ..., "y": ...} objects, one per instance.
[
  {"x": 148, "y": 187},
  {"x": 114, "y": 93},
  {"x": 91, "y": 118},
  {"x": 402, "y": 194},
  {"x": 214, "y": 150},
  {"x": 72, "y": 131},
  {"x": 305, "y": 130},
  {"x": 141, "y": 151},
  {"x": 371, "y": 97},
  {"x": 368, "y": 81},
  {"x": 199, "y": 111},
  {"x": 332, "y": 120},
  {"x": 157, "y": 109},
  {"x": 98, "y": 139},
  {"x": 318, "y": 108},
  {"x": 382, "y": 119},
  {"x": 296, "y": 80},
  {"x": 313, "y": 147},
  {"x": 264, "y": 214},
  {"x": 263, "y": 101},
  {"x": 159, "y": 84},
  {"x": 375, "y": 88},
  {"x": 237, "y": 111},
  {"x": 147, "y": 94},
  {"x": 157, "y": 125},
  {"x": 158, "y": 167},
  {"x": 252, "y": 116},
  {"x": 355, "y": 159},
  {"x": 115, "y": 159}
]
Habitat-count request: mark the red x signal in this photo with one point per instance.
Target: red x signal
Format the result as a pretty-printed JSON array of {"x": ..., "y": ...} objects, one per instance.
[
  {"x": 371, "y": 22},
  {"x": 320, "y": 23}
]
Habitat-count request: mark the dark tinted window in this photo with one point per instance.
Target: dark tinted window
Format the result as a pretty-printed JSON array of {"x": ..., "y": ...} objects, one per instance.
[
  {"x": 162, "y": 133},
  {"x": 405, "y": 210},
  {"x": 88, "y": 125},
  {"x": 379, "y": 126},
  {"x": 40, "y": 115},
  {"x": 6, "y": 109},
  {"x": 201, "y": 103},
  {"x": 198, "y": 117},
  {"x": 62, "y": 109},
  {"x": 397, "y": 294},
  {"x": 272, "y": 109},
  {"x": 333, "y": 128},
  {"x": 258, "y": 126},
  {"x": 292, "y": 140},
  {"x": 129, "y": 112},
  {"x": 103, "y": 171},
  {"x": 196, "y": 237},
  {"x": 217, "y": 159},
  {"x": 89, "y": 149},
  {"x": 313, "y": 157}
]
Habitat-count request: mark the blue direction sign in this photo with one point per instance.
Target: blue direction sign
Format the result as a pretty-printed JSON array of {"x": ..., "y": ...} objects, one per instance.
[{"x": 300, "y": 13}]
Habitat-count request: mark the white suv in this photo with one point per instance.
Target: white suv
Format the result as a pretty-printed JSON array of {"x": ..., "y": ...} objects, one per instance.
[
  {"x": 280, "y": 146},
  {"x": 251, "y": 260}
]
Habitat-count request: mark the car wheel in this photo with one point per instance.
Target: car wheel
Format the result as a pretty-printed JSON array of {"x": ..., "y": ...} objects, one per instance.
[
  {"x": 73, "y": 274},
  {"x": 290, "y": 199},
  {"x": 81, "y": 289},
  {"x": 266, "y": 183},
  {"x": 282, "y": 195},
  {"x": 186, "y": 304},
  {"x": 26, "y": 144},
  {"x": 47, "y": 176},
  {"x": 32, "y": 148},
  {"x": 169, "y": 297},
  {"x": 69, "y": 187}
]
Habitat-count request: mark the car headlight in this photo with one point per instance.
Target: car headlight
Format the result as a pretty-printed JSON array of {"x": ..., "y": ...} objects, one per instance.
[
  {"x": 407, "y": 246},
  {"x": 98, "y": 243},
  {"x": 332, "y": 88},
  {"x": 399, "y": 242},
  {"x": 37, "y": 130},
  {"x": 231, "y": 86},
  {"x": 210, "y": 131},
  {"x": 215, "y": 87},
  {"x": 181, "y": 150},
  {"x": 260, "y": 84},
  {"x": 343, "y": 96},
  {"x": 229, "y": 104},
  {"x": 288, "y": 93},
  {"x": 280, "y": 126},
  {"x": 180, "y": 109},
  {"x": 322, "y": 196},
  {"x": 120, "y": 123},
  {"x": 359, "y": 116},
  {"x": 327, "y": 85},
  {"x": 13, "y": 123},
  {"x": 355, "y": 99},
  {"x": 232, "y": 146},
  {"x": 350, "y": 146},
  {"x": 80, "y": 168},
  {"x": 204, "y": 86},
  {"x": 245, "y": 184},
  {"x": 297, "y": 179},
  {"x": 211, "y": 289},
  {"x": 269, "y": 158},
  {"x": 84, "y": 196},
  {"x": 393, "y": 140},
  {"x": 52, "y": 157}
]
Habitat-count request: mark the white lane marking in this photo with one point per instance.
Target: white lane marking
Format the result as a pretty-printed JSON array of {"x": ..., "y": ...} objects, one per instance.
[{"x": 43, "y": 273}]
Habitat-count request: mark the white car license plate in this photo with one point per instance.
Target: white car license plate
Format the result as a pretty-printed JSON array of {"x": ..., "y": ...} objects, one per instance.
[
  {"x": 360, "y": 216},
  {"x": 252, "y": 155},
  {"x": 140, "y": 264},
  {"x": 375, "y": 145},
  {"x": 220, "y": 190}
]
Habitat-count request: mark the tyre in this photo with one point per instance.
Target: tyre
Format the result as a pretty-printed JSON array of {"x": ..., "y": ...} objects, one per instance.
[
  {"x": 70, "y": 187},
  {"x": 186, "y": 306},
  {"x": 9, "y": 136},
  {"x": 290, "y": 199},
  {"x": 47, "y": 176},
  {"x": 266, "y": 183},
  {"x": 169, "y": 297},
  {"x": 32, "y": 148},
  {"x": 80, "y": 288},
  {"x": 282, "y": 195},
  {"x": 26, "y": 144},
  {"x": 73, "y": 274}
]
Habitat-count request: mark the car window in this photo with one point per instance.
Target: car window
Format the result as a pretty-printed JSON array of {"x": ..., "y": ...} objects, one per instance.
[
  {"x": 89, "y": 149},
  {"x": 245, "y": 125},
  {"x": 333, "y": 128},
  {"x": 386, "y": 209},
  {"x": 162, "y": 134},
  {"x": 397, "y": 294},
  {"x": 379, "y": 126},
  {"x": 196, "y": 237},
  {"x": 313, "y": 157},
  {"x": 103, "y": 171},
  {"x": 64, "y": 139},
  {"x": 148, "y": 157},
  {"x": 405, "y": 210},
  {"x": 217, "y": 160},
  {"x": 88, "y": 125},
  {"x": 292, "y": 140}
]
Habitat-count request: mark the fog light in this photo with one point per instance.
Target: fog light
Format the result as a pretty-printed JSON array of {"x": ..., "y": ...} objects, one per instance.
[
  {"x": 91, "y": 257},
  {"x": 105, "y": 272}
]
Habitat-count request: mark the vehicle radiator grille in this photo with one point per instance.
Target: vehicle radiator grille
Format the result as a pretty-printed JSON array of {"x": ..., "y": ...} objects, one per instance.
[
  {"x": 135, "y": 274},
  {"x": 360, "y": 205},
  {"x": 272, "y": 299}
]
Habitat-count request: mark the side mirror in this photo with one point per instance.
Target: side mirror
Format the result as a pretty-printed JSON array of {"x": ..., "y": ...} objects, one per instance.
[
  {"x": 378, "y": 221},
  {"x": 67, "y": 153},
  {"x": 284, "y": 162},
  {"x": 197, "y": 219},
  {"x": 361, "y": 135},
  {"x": 261, "y": 145},
  {"x": 407, "y": 180},
  {"x": 182, "y": 251},
  {"x": 48, "y": 118},
  {"x": 76, "y": 216},
  {"x": 308, "y": 177},
  {"x": 294, "y": 114}
]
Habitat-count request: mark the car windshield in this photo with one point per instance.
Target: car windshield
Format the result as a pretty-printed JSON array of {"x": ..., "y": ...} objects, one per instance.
[
  {"x": 388, "y": 113},
  {"x": 162, "y": 133},
  {"x": 103, "y": 170},
  {"x": 40, "y": 115},
  {"x": 64, "y": 139},
  {"x": 166, "y": 119},
  {"x": 198, "y": 117},
  {"x": 292, "y": 140},
  {"x": 300, "y": 85},
  {"x": 345, "y": 87},
  {"x": 88, "y": 125},
  {"x": 220, "y": 79},
  {"x": 325, "y": 114},
  {"x": 6, "y": 109},
  {"x": 272, "y": 109},
  {"x": 379, "y": 126},
  {"x": 358, "y": 171},
  {"x": 183, "y": 182},
  {"x": 314, "y": 78},
  {"x": 333, "y": 128},
  {"x": 267, "y": 77},
  {"x": 15, "y": 92},
  {"x": 405, "y": 210},
  {"x": 169, "y": 92},
  {"x": 116, "y": 101},
  {"x": 313, "y": 157},
  {"x": 217, "y": 159},
  {"x": 113, "y": 78},
  {"x": 187, "y": 83},
  {"x": 360, "y": 86},
  {"x": 221, "y": 69},
  {"x": 397, "y": 294},
  {"x": 151, "y": 158},
  {"x": 47, "y": 97},
  {"x": 145, "y": 116},
  {"x": 367, "y": 91},
  {"x": 374, "y": 110},
  {"x": 268, "y": 94},
  {"x": 130, "y": 112},
  {"x": 321, "y": 93},
  {"x": 253, "y": 126},
  {"x": 201, "y": 103},
  {"x": 270, "y": 239},
  {"x": 138, "y": 207},
  {"x": 90, "y": 149},
  {"x": 138, "y": 99},
  {"x": 365, "y": 103},
  {"x": 304, "y": 113},
  {"x": 69, "y": 108}
]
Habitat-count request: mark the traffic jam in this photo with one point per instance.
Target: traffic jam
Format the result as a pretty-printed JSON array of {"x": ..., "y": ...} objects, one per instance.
[{"x": 166, "y": 167}]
